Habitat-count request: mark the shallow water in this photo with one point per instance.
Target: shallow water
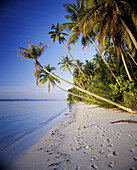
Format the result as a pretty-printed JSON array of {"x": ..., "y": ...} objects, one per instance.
[{"x": 21, "y": 119}]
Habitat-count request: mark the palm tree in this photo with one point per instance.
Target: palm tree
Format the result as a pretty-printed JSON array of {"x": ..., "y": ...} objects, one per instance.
[
  {"x": 32, "y": 52},
  {"x": 67, "y": 64},
  {"x": 88, "y": 69},
  {"x": 79, "y": 23},
  {"x": 109, "y": 24},
  {"x": 89, "y": 93},
  {"x": 77, "y": 74},
  {"x": 58, "y": 34},
  {"x": 83, "y": 90},
  {"x": 44, "y": 77}
]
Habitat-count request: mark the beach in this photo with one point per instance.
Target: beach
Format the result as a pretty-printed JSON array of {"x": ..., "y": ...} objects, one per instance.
[{"x": 85, "y": 139}]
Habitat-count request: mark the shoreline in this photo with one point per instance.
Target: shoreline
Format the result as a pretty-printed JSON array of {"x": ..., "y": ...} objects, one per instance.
[
  {"x": 10, "y": 153},
  {"x": 85, "y": 139}
]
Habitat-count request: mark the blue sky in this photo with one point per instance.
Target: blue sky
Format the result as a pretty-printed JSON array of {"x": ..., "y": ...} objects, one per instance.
[{"x": 23, "y": 20}]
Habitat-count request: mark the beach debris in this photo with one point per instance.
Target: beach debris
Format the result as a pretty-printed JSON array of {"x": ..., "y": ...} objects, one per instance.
[
  {"x": 83, "y": 127},
  {"x": 124, "y": 121},
  {"x": 135, "y": 158}
]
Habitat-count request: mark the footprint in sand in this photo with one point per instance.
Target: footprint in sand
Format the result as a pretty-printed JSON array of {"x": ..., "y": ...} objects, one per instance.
[
  {"x": 111, "y": 164},
  {"x": 93, "y": 158},
  {"x": 131, "y": 150},
  {"x": 102, "y": 145},
  {"x": 101, "y": 152},
  {"x": 115, "y": 153},
  {"x": 54, "y": 164},
  {"x": 111, "y": 145},
  {"x": 135, "y": 158},
  {"x": 93, "y": 167},
  {"x": 132, "y": 168},
  {"x": 108, "y": 140}
]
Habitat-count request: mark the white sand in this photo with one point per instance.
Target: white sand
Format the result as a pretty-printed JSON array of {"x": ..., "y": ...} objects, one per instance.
[{"x": 100, "y": 145}]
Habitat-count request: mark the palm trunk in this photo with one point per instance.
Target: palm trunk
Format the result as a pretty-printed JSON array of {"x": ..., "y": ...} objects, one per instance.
[
  {"x": 104, "y": 60},
  {"x": 36, "y": 71},
  {"x": 132, "y": 58},
  {"x": 129, "y": 32},
  {"x": 73, "y": 93},
  {"x": 48, "y": 86},
  {"x": 125, "y": 66},
  {"x": 89, "y": 93},
  {"x": 126, "y": 27},
  {"x": 78, "y": 67}
]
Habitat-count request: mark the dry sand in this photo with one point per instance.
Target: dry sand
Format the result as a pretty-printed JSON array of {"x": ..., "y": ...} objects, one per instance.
[{"x": 85, "y": 140}]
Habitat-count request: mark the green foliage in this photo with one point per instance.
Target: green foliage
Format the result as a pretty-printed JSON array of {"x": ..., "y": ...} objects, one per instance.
[
  {"x": 126, "y": 94},
  {"x": 126, "y": 85}
]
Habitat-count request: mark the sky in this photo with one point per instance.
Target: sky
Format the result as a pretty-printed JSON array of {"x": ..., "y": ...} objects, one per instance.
[{"x": 31, "y": 20}]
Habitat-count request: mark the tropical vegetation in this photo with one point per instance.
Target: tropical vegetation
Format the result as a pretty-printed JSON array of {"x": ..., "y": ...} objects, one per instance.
[{"x": 110, "y": 77}]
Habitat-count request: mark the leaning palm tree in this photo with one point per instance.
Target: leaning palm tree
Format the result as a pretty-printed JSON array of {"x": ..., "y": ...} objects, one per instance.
[
  {"x": 66, "y": 64},
  {"x": 90, "y": 93},
  {"x": 32, "y": 52},
  {"x": 44, "y": 77},
  {"x": 83, "y": 90},
  {"x": 58, "y": 34}
]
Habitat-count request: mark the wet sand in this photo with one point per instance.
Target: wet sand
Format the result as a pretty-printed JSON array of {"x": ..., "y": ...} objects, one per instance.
[{"x": 85, "y": 140}]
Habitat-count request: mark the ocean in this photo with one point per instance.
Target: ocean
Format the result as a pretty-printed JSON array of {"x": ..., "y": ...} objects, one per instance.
[{"x": 22, "y": 123}]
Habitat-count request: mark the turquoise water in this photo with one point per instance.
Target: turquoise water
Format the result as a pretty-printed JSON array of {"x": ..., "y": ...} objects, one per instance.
[{"x": 21, "y": 119}]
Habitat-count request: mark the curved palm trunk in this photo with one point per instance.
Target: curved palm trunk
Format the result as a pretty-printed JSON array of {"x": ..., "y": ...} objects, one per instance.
[
  {"x": 73, "y": 93},
  {"x": 78, "y": 67},
  {"x": 125, "y": 66},
  {"x": 129, "y": 32},
  {"x": 91, "y": 94},
  {"x": 104, "y": 60}
]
